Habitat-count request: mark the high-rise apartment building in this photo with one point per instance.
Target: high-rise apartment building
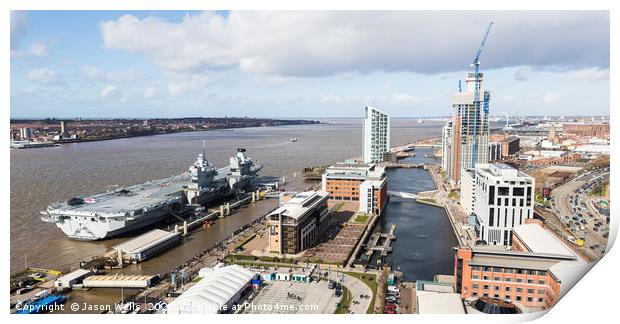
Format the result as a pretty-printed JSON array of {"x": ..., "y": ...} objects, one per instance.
[
  {"x": 504, "y": 198},
  {"x": 446, "y": 148},
  {"x": 470, "y": 128},
  {"x": 376, "y": 135}
]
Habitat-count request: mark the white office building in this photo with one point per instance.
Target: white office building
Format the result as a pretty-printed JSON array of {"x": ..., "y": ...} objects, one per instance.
[
  {"x": 504, "y": 198},
  {"x": 376, "y": 135}
]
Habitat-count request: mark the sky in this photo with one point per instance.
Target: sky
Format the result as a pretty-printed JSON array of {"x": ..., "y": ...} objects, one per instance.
[{"x": 147, "y": 64}]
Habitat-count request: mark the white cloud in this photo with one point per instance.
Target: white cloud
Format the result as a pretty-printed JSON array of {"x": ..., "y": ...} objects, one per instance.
[
  {"x": 184, "y": 83},
  {"x": 107, "y": 90},
  {"x": 43, "y": 75},
  {"x": 404, "y": 98},
  {"x": 551, "y": 97},
  {"x": 38, "y": 49},
  {"x": 332, "y": 42},
  {"x": 149, "y": 93},
  {"x": 592, "y": 74},
  {"x": 92, "y": 72}
]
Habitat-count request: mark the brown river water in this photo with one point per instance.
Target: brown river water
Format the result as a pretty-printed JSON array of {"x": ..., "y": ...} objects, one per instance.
[{"x": 43, "y": 176}]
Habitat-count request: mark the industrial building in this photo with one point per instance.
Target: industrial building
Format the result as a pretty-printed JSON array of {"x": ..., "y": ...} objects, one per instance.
[
  {"x": 600, "y": 130},
  {"x": 69, "y": 280},
  {"x": 119, "y": 280},
  {"x": 537, "y": 270},
  {"x": 217, "y": 291},
  {"x": 364, "y": 183},
  {"x": 147, "y": 245},
  {"x": 504, "y": 198},
  {"x": 376, "y": 135},
  {"x": 299, "y": 223}
]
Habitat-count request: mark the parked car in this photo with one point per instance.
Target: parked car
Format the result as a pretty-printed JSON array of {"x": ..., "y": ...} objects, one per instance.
[{"x": 390, "y": 307}]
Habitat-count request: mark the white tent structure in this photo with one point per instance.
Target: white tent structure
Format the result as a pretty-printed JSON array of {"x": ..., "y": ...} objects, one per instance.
[{"x": 217, "y": 291}]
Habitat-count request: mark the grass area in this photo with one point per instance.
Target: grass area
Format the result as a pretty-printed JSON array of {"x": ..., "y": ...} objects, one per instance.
[
  {"x": 540, "y": 200},
  {"x": 371, "y": 281},
  {"x": 453, "y": 194},
  {"x": 345, "y": 302},
  {"x": 361, "y": 218}
]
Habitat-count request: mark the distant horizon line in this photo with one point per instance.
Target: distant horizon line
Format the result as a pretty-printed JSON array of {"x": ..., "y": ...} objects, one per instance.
[{"x": 284, "y": 118}]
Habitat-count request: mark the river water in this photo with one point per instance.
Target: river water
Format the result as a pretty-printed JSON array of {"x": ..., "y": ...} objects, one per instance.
[
  {"x": 424, "y": 236},
  {"x": 43, "y": 176}
]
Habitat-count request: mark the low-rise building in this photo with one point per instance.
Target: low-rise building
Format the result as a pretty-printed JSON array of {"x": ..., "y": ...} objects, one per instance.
[
  {"x": 361, "y": 182},
  {"x": 536, "y": 271},
  {"x": 299, "y": 223},
  {"x": 218, "y": 290}
]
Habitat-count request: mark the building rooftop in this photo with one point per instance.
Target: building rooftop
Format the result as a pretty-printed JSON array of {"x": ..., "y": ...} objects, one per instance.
[
  {"x": 439, "y": 303},
  {"x": 538, "y": 240},
  {"x": 301, "y": 203},
  {"x": 145, "y": 241},
  {"x": 213, "y": 291}
]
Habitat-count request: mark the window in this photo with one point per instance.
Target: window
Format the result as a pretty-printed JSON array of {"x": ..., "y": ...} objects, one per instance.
[
  {"x": 503, "y": 191},
  {"x": 530, "y": 290},
  {"x": 497, "y": 278},
  {"x": 496, "y": 288},
  {"x": 519, "y": 289},
  {"x": 519, "y": 280},
  {"x": 486, "y": 287},
  {"x": 517, "y": 191},
  {"x": 474, "y": 286},
  {"x": 541, "y": 291},
  {"x": 475, "y": 277},
  {"x": 518, "y": 298},
  {"x": 540, "y": 300},
  {"x": 507, "y": 288},
  {"x": 485, "y": 277},
  {"x": 507, "y": 279},
  {"x": 541, "y": 282},
  {"x": 491, "y": 216}
]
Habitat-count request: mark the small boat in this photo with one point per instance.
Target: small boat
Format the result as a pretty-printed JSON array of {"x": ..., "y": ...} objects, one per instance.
[
  {"x": 294, "y": 140},
  {"x": 42, "y": 305}
]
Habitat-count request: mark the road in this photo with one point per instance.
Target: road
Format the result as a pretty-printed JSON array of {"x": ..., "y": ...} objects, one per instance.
[{"x": 563, "y": 210}]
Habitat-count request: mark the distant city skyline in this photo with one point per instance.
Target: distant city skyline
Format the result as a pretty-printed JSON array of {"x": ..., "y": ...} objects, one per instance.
[{"x": 170, "y": 64}]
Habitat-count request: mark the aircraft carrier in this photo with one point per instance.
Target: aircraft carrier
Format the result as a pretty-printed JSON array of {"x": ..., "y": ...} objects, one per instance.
[{"x": 112, "y": 213}]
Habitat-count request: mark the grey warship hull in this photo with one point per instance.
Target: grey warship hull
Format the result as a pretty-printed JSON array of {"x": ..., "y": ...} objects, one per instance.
[{"x": 128, "y": 209}]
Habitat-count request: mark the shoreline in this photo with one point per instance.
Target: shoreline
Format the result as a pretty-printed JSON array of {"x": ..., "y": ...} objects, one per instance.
[{"x": 73, "y": 141}]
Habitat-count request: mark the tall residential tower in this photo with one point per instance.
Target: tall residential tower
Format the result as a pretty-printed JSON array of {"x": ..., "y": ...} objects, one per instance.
[{"x": 376, "y": 135}]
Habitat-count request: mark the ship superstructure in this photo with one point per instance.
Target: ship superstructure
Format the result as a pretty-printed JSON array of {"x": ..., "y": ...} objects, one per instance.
[{"x": 112, "y": 213}]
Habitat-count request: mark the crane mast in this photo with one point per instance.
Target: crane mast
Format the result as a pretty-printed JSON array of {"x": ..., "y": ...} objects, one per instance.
[{"x": 476, "y": 65}]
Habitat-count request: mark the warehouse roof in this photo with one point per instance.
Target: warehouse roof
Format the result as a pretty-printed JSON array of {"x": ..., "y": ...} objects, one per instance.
[
  {"x": 439, "y": 303},
  {"x": 145, "y": 241},
  {"x": 539, "y": 240},
  {"x": 215, "y": 290}
]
